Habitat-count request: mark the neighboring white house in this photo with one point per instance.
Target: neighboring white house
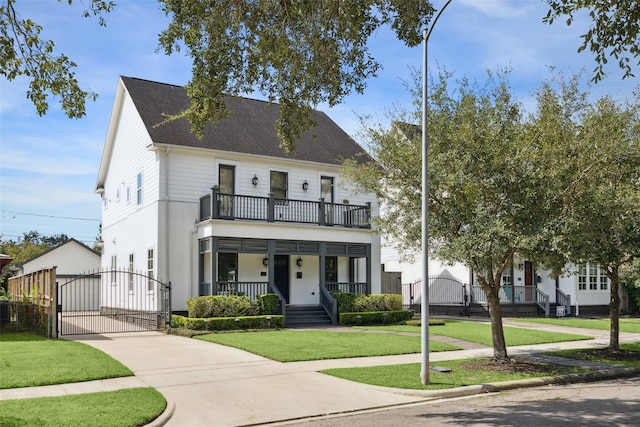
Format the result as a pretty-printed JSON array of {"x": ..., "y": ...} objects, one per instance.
[
  {"x": 585, "y": 285},
  {"x": 71, "y": 258},
  {"x": 231, "y": 213}
]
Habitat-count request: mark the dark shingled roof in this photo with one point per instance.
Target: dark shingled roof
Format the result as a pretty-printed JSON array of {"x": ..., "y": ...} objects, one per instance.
[{"x": 249, "y": 129}]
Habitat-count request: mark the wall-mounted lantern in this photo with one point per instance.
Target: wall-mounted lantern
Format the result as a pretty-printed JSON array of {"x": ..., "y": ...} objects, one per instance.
[
  {"x": 299, "y": 262},
  {"x": 265, "y": 261},
  {"x": 254, "y": 180},
  {"x": 305, "y": 185}
]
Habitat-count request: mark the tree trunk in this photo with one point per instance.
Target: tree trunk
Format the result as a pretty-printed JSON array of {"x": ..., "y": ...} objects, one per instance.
[
  {"x": 614, "y": 309},
  {"x": 497, "y": 333}
]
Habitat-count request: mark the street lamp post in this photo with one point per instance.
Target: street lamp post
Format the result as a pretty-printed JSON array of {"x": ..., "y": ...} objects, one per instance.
[{"x": 424, "y": 306}]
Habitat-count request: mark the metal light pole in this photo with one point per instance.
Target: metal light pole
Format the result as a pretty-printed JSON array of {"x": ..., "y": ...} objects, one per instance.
[{"x": 424, "y": 306}]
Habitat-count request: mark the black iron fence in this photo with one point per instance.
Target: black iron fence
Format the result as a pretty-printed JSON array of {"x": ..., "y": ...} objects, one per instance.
[{"x": 111, "y": 301}]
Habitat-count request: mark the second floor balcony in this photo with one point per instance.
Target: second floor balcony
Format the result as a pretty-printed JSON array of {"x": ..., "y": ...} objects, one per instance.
[{"x": 271, "y": 209}]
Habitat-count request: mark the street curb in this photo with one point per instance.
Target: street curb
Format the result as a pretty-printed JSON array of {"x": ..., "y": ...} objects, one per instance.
[
  {"x": 165, "y": 416},
  {"x": 561, "y": 379}
]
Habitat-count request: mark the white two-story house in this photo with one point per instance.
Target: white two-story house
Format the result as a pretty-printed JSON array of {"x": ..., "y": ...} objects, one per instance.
[{"x": 231, "y": 213}]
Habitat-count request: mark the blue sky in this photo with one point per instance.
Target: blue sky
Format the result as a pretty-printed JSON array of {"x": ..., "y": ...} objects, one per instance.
[{"x": 49, "y": 165}]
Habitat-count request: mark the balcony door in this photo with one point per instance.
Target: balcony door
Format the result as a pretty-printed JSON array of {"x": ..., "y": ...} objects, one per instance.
[
  {"x": 226, "y": 180},
  {"x": 326, "y": 192}
]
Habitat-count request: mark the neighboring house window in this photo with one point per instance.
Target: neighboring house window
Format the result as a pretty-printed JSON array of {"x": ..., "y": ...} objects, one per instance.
[
  {"x": 279, "y": 186},
  {"x": 114, "y": 264},
  {"x": 591, "y": 275},
  {"x": 150, "y": 270},
  {"x": 506, "y": 277},
  {"x": 331, "y": 269},
  {"x": 131, "y": 273},
  {"x": 139, "y": 189}
]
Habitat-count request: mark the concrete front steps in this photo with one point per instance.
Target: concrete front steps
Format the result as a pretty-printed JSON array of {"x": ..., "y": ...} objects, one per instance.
[{"x": 297, "y": 316}]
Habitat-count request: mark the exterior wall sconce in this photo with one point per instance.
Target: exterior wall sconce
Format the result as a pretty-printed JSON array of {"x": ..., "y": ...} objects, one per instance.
[
  {"x": 305, "y": 185},
  {"x": 254, "y": 180},
  {"x": 265, "y": 261},
  {"x": 299, "y": 262},
  {"x": 520, "y": 266}
]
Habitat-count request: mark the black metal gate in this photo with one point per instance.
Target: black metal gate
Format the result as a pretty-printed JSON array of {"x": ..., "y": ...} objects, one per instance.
[{"x": 112, "y": 301}]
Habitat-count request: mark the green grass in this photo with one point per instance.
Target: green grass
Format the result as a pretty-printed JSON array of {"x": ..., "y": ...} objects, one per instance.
[
  {"x": 581, "y": 355},
  {"x": 292, "y": 346},
  {"x": 408, "y": 376},
  {"x": 122, "y": 408},
  {"x": 27, "y": 360},
  {"x": 626, "y": 324},
  {"x": 480, "y": 333}
]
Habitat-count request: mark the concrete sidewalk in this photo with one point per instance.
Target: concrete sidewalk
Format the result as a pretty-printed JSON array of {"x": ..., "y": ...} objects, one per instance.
[{"x": 208, "y": 384}]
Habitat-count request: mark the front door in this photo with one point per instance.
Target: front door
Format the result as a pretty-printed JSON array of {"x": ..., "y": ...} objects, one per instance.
[
  {"x": 281, "y": 274},
  {"x": 529, "y": 291}
]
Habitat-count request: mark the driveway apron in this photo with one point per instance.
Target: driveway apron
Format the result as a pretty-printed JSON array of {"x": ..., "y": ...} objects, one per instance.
[{"x": 215, "y": 385}]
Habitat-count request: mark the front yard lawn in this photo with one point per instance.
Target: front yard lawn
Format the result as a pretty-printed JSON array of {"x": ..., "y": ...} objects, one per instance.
[
  {"x": 292, "y": 346},
  {"x": 28, "y": 360},
  {"x": 480, "y": 333},
  {"x": 123, "y": 408},
  {"x": 630, "y": 324},
  {"x": 463, "y": 373},
  {"x": 628, "y": 355}
]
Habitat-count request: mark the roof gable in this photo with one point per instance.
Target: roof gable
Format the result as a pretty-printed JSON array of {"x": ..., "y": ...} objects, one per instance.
[
  {"x": 68, "y": 242},
  {"x": 249, "y": 128}
]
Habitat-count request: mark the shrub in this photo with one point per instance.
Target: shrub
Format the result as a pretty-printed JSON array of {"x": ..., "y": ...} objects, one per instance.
[
  {"x": 268, "y": 304},
  {"x": 221, "y": 306},
  {"x": 345, "y": 301},
  {"x": 375, "y": 317},
  {"x": 225, "y": 323},
  {"x": 377, "y": 302}
]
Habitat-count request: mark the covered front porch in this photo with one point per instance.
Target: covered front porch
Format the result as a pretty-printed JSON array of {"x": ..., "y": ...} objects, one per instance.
[{"x": 301, "y": 273}]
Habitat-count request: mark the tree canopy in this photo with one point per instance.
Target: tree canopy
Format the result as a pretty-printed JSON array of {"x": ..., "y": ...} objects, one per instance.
[
  {"x": 503, "y": 181},
  {"x": 24, "y": 53},
  {"x": 614, "y": 30}
]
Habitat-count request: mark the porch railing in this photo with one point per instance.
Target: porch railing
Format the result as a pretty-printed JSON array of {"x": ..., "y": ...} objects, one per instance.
[
  {"x": 270, "y": 209},
  {"x": 352, "y": 287},
  {"x": 511, "y": 295},
  {"x": 563, "y": 299},
  {"x": 329, "y": 304}
]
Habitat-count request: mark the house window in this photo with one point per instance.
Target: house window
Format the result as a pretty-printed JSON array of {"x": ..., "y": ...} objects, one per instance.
[
  {"x": 114, "y": 264},
  {"x": 591, "y": 275},
  {"x": 279, "y": 186},
  {"x": 228, "y": 267},
  {"x": 150, "y": 270},
  {"x": 506, "y": 277},
  {"x": 130, "y": 273},
  {"x": 139, "y": 189},
  {"x": 331, "y": 269}
]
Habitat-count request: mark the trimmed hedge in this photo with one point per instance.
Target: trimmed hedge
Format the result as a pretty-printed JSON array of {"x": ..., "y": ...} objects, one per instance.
[
  {"x": 375, "y": 317},
  {"x": 226, "y": 323},
  {"x": 358, "y": 303},
  {"x": 268, "y": 304},
  {"x": 222, "y": 306}
]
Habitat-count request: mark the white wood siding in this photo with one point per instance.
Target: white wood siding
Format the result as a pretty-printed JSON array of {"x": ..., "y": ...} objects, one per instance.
[{"x": 70, "y": 258}]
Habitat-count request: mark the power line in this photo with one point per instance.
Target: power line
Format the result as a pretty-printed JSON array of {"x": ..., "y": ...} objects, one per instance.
[{"x": 15, "y": 214}]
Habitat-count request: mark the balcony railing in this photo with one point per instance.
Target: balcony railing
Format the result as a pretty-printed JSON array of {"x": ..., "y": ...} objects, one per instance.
[{"x": 271, "y": 209}]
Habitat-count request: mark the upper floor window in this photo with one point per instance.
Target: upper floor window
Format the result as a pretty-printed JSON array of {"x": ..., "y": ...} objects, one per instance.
[
  {"x": 279, "y": 184},
  {"x": 139, "y": 188},
  {"x": 326, "y": 188}
]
